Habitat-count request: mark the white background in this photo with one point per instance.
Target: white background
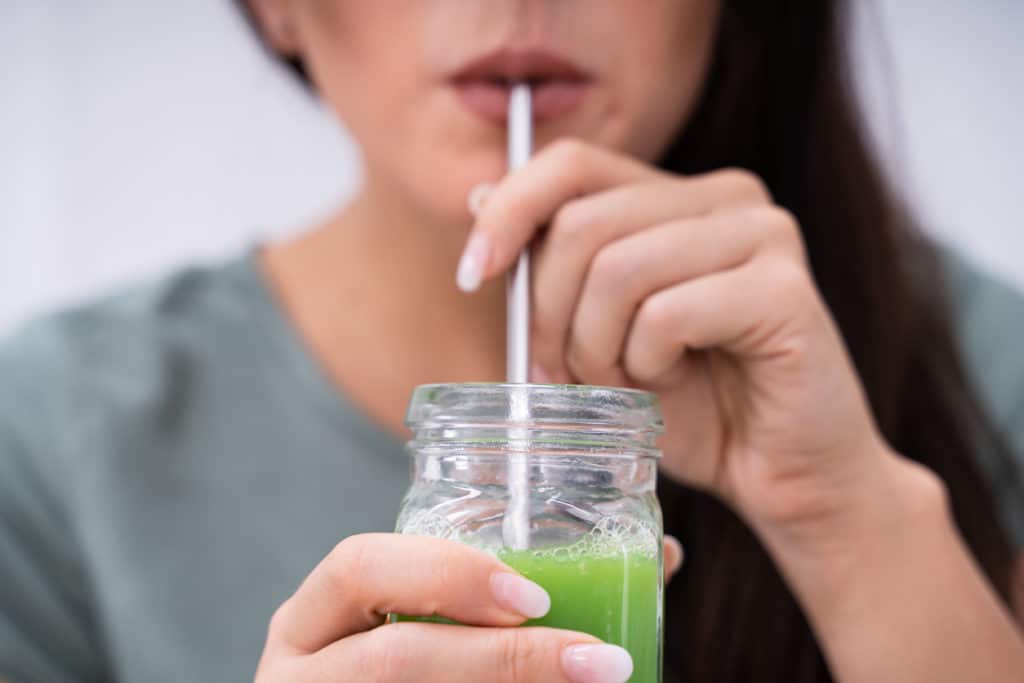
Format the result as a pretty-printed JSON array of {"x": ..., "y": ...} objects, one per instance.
[{"x": 135, "y": 135}]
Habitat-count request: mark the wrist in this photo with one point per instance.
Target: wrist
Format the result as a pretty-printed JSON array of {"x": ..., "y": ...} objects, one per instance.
[
  {"x": 844, "y": 568},
  {"x": 879, "y": 512},
  {"x": 890, "y": 588}
]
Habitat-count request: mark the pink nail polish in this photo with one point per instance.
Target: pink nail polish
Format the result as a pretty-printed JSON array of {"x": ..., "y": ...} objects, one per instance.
[
  {"x": 520, "y": 595},
  {"x": 597, "y": 663},
  {"x": 472, "y": 264}
]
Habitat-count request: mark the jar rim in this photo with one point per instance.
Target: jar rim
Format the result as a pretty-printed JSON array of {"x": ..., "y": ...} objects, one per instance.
[{"x": 506, "y": 404}]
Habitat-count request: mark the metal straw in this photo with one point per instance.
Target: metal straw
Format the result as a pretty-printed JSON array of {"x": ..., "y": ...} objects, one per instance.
[
  {"x": 520, "y": 146},
  {"x": 516, "y": 523}
]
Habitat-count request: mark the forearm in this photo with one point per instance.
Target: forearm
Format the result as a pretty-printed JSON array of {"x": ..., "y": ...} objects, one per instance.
[{"x": 894, "y": 595}]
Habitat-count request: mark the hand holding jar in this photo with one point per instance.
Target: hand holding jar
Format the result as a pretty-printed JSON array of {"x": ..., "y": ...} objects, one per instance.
[
  {"x": 595, "y": 548},
  {"x": 329, "y": 625}
]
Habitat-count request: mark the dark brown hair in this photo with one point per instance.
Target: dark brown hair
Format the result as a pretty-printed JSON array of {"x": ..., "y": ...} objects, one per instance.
[{"x": 778, "y": 102}]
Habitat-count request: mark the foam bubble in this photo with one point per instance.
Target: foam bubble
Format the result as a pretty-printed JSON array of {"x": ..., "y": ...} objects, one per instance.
[{"x": 611, "y": 536}]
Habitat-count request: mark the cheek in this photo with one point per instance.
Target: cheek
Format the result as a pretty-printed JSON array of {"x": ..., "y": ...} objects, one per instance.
[
  {"x": 662, "y": 83},
  {"x": 349, "y": 49},
  {"x": 367, "y": 63}
]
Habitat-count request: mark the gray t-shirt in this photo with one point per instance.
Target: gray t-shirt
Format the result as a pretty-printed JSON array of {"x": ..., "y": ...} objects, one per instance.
[{"x": 173, "y": 463}]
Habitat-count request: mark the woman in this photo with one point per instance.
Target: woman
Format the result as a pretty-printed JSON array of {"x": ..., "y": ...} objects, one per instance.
[{"x": 846, "y": 503}]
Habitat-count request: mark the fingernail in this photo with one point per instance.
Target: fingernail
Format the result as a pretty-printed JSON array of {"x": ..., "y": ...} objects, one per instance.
[
  {"x": 598, "y": 663},
  {"x": 520, "y": 595},
  {"x": 471, "y": 266},
  {"x": 538, "y": 376},
  {"x": 680, "y": 554},
  {"x": 477, "y": 196}
]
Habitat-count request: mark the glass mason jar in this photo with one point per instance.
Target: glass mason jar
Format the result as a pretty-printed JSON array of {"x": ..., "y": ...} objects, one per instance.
[{"x": 558, "y": 481}]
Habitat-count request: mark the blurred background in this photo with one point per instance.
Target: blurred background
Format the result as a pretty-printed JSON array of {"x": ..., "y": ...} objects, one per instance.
[{"x": 137, "y": 135}]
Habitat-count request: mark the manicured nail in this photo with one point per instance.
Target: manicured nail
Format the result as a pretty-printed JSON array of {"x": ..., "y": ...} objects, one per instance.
[
  {"x": 472, "y": 264},
  {"x": 477, "y": 196},
  {"x": 679, "y": 554},
  {"x": 520, "y": 595},
  {"x": 597, "y": 663},
  {"x": 538, "y": 376}
]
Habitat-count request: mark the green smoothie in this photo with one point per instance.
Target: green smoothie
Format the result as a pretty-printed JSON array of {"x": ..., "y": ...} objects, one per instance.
[
  {"x": 611, "y": 594},
  {"x": 614, "y": 597}
]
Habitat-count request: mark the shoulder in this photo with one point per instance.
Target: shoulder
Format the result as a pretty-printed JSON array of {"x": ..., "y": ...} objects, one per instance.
[
  {"x": 86, "y": 391},
  {"x": 119, "y": 356},
  {"x": 988, "y": 319},
  {"x": 979, "y": 297},
  {"x": 213, "y": 296}
]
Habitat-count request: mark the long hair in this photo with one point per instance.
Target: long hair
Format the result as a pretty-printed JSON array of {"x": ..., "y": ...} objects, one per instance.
[{"x": 779, "y": 102}]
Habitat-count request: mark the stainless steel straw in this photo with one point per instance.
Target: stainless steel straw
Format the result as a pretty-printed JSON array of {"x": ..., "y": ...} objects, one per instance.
[
  {"x": 520, "y": 146},
  {"x": 516, "y": 523}
]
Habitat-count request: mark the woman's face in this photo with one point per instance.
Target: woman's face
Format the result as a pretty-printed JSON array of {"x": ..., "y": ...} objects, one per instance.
[{"x": 422, "y": 84}]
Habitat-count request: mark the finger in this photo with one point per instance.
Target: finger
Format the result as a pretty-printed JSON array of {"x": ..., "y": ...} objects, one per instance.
[
  {"x": 624, "y": 273},
  {"x": 582, "y": 228},
  {"x": 750, "y": 311},
  {"x": 371, "y": 575},
  {"x": 673, "y": 557},
  {"x": 527, "y": 198},
  {"x": 440, "y": 653}
]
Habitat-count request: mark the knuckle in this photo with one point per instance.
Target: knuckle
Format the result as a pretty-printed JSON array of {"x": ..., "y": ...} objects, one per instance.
[
  {"x": 571, "y": 222},
  {"x": 386, "y": 656},
  {"x": 569, "y": 152},
  {"x": 786, "y": 219},
  {"x": 278, "y": 619},
  {"x": 781, "y": 226},
  {"x": 792, "y": 282},
  {"x": 744, "y": 184},
  {"x": 447, "y": 569},
  {"x": 612, "y": 269},
  {"x": 582, "y": 361},
  {"x": 349, "y": 551},
  {"x": 658, "y": 315},
  {"x": 352, "y": 557},
  {"x": 519, "y": 656}
]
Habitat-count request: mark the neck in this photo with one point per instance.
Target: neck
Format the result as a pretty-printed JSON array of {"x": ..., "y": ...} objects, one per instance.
[{"x": 372, "y": 294}]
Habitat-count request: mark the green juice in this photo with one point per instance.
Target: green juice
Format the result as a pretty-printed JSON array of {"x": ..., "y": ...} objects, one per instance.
[{"x": 615, "y": 597}]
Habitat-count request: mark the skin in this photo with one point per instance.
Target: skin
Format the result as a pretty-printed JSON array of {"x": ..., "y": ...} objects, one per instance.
[{"x": 696, "y": 288}]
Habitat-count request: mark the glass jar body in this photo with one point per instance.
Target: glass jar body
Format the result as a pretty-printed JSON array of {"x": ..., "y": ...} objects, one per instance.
[{"x": 558, "y": 482}]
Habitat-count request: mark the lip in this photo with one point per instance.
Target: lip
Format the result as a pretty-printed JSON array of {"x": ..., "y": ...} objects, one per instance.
[{"x": 483, "y": 86}]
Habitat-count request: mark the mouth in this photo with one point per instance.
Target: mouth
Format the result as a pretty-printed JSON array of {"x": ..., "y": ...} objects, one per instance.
[{"x": 557, "y": 85}]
